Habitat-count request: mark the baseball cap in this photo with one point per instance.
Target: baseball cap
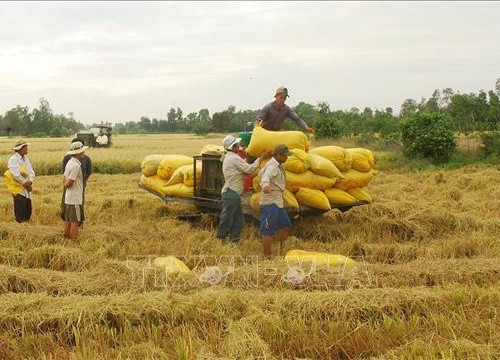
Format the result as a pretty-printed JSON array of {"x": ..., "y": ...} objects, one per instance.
[
  {"x": 229, "y": 141},
  {"x": 281, "y": 91}
]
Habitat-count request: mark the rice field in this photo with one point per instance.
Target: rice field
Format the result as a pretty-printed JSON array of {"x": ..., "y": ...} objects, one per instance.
[{"x": 426, "y": 284}]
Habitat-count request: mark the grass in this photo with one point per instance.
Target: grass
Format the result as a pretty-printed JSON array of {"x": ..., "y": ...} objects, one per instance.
[{"x": 425, "y": 286}]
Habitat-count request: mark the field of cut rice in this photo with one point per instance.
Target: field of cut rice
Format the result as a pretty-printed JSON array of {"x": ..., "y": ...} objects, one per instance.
[{"x": 426, "y": 283}]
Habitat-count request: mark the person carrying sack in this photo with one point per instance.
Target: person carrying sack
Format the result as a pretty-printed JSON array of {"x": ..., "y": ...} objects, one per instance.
[{"x": 19, "y": 180}]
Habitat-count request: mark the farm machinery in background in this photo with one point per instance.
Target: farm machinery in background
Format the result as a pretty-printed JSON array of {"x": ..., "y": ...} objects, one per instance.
[{"x": 100, "y": 136}]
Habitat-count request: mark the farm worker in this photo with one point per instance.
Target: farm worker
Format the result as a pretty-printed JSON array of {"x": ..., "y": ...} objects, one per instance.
[
  {"x": 72, "y": 208},
  {"x": 21, "y": 174},
  {"x": 234, "y": 169},
  {"x": 101, "y": 139},
  {"x": 273, "y": 217},
  {"x": 86, "y": 171},
  {"x": 86, "y": 165},
  {"x": 272, "y": 115}
]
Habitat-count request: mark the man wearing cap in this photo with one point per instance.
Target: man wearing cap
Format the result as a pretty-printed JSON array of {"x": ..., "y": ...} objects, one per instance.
[
  {"x": 272, "y": 115},
  {"x": 23, "y": 173},
  {"x": 273, "y": 217},
  {"x": 234, "y": 168},
  {"x": 86, "y": 171},
  {"x": 72, "y": 209}
]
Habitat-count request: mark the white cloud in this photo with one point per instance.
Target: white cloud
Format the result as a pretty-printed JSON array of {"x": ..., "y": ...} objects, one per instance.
[{"x": 123, "y": 60}]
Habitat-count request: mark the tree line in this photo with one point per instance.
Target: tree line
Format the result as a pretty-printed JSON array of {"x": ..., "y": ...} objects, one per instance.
[{"x": 467, "y": 112}]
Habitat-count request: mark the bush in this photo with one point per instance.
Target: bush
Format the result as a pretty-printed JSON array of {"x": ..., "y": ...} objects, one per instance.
[
  {"x": 429, "y": 135},
  {"x": 327, "y": 128},
  {"x": 491, "y": 143}
]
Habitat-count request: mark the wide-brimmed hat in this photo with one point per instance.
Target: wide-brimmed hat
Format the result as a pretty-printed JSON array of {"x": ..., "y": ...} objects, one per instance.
[
  {"x": 76, "y": 148},
  {"x": 282, "y": 149},
  {"x": 19, "y": 144},
  {"x": 229, "y": 141},
  {"x": 281, "y": 91}
]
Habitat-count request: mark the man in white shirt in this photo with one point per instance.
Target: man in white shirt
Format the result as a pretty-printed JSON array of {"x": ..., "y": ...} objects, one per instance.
[
  {"x": 234, "y": 169},
  {"x": 273, "y": 217},
  {"x": 23, "y": 173},
  {"x": 72, "y": 209},
  {"x": 101, "y": 139}
]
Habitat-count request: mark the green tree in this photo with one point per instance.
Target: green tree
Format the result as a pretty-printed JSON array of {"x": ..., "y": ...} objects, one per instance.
[
  {"x": 42, "y": 118},
  {"x": 429, "y": 135}
]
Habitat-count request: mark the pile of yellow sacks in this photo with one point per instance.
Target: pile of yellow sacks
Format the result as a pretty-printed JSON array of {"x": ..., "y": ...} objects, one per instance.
[{"x": 320, "y": 177}]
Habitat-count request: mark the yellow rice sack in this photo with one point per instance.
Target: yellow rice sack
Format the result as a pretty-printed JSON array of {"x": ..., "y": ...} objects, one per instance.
[
  {"x": 354, "y": 179},
  {"x": 255, "y": 202},
  {"x": 308, "y": 180},
  {"x": 312, "y": 198},
  {"x": 188, "y": 174},
  {"x": 360, "y": 194},
  {"x": 339, "y": 156},
  {"x": 212, "y": 147},
  {"x": 339, "y": 197},
  {"x": 170, "y": 163},
  {"x": 185, "y": 174},
  {"x": 368, "y": 154},
  {"x": 149, "y": 165},
  {"x": 289, "y": 200},
  {"x": 154, "y": 183},
  {"x": 318, "y": 258},
  {"x": 263, "y": 140},
  {"x": 178, "y": 190},
  {"x": 322, "y": 166},
  {"x": 12, "y": 185},
  {"x": 361, "y": 160},
  {"x": 298, "y": 162},
  {"x": 172, "y": 266}
]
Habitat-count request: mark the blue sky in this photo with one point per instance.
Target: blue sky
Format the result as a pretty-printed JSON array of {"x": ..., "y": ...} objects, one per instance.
[{"x": 118, "y": 61}]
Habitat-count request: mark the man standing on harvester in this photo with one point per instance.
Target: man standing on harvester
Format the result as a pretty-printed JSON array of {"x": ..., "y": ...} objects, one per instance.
[
  {"x": 234, "y": 169},
  {"x": 272, "y": 115}
]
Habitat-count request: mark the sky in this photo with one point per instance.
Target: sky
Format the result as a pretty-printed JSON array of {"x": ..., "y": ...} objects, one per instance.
[{"x": 118, "y": 61}]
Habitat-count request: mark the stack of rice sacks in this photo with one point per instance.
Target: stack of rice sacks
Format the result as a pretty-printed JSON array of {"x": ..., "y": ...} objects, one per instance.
[
  {"x": 325, "y": 176},
  {"x": 169, "y": 174}
]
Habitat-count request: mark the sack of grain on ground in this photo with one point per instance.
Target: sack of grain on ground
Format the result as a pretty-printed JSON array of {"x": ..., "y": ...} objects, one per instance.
[
  {"x": 312, "y": 198},
  {"x": 339, "y": 156},
  {"x": 170, "y": 163},
  {"x": 339, "y": 197},
  {"x": 317, "y": 258},
  {"x": 263, "y": 140},
  {"x": 172, "y": 266},
  {"x": 355, "y": 179},
  {"x": 362, "y": 159}
]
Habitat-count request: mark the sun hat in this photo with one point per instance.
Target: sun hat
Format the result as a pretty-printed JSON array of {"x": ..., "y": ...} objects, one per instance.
[
  {"x": 19, "y": 144},
  {"x": 76, "y": 148},
  {"x": 281, "y": 91},
  {"x": 229, "y": 141}
]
